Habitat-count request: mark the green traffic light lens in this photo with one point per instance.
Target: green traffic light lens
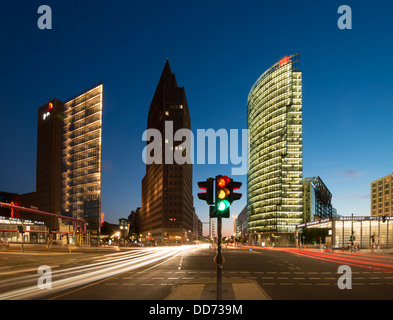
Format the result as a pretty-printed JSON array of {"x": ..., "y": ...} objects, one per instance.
[{"x": 222, "y": 205}]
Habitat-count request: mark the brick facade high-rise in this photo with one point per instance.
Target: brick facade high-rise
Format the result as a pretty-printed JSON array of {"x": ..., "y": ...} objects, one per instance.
[{"x": 166, "y": 215}]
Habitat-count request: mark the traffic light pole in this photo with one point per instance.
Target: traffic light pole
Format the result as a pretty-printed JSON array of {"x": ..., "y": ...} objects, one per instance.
[
  {"x": 222, "y": 197},
  {"x": 219, "y": 257}
]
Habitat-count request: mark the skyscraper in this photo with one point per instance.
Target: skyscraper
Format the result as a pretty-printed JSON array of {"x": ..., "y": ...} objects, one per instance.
[
  {"x": 47, "y": 196},
  {"x": 166, "y": 214},
  {"x": 274, "y": 116},
  {"x": 81, "y": 156},
  {"x": 49, "y": 142}
]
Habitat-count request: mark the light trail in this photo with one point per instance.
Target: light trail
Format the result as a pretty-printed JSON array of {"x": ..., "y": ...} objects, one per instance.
[
  {"x": 364, "y": 261},
  {"x": 76, "y": 276}
]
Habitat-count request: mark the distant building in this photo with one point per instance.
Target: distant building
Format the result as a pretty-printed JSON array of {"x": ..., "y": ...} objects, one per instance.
[
  {"x": 166, "y": 215},
  {"x": 382, "y": 196},
  {"x": 197, "y": 227},
  {"x": 241, "y": 223},
  {"x": 317, "y": 200},
  {"x": 133, "y": 220}
]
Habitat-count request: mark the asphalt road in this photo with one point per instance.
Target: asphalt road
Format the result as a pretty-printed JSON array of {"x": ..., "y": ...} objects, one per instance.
[{"x": 148, "y": 274}]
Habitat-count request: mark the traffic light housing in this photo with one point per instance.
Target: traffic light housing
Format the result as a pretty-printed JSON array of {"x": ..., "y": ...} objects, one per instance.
[
  {"x": 222, "y": 196},
  {"x": 208, "y": 195},
  {"x": 234, "y": 185},
  {"x": 20, "y": 229}
]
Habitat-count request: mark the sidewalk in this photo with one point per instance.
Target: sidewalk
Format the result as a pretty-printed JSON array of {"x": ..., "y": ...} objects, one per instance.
[
  {"x": 231, "y": 289},
  {"x": 42, "y": 248},
  {"x": 388, "y": 251},
  {"x": 382, "y": 251}
]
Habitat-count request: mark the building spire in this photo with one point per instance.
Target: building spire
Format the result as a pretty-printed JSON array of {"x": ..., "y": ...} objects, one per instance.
[{"x": 167, "y": 67}]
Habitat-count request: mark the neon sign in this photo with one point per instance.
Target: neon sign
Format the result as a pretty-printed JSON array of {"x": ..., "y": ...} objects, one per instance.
[
  {"x": 12, "y": 209},
  {"x": 102, "y": 219},
  {"x": 283, "y": 61}
]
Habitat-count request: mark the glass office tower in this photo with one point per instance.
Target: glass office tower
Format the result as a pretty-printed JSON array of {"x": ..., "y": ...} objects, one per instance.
[
  {"x": 81, "y": 154},
  {"x": 274, "y": 181}
]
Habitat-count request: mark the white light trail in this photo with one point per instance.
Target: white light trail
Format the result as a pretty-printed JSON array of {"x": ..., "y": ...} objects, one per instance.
[{"x": 96, "y": 271}]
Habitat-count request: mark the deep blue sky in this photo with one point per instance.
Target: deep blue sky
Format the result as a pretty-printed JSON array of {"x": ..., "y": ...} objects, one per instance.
[{"x": 217, "y": 49}]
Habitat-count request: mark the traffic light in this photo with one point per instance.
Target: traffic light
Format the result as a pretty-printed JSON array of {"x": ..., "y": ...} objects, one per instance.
[
  {"x": 223, "y": 196},
  {"x": 20, "y": 229},
  {"x": 234, "y": 185},
  {"x": 208, "y": 186}
]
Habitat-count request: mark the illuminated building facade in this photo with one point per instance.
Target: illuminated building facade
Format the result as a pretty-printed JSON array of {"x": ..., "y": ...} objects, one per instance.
[
  {"x": 81, "y": 157},
  {"x": 275, "y": 190},
  {"x": 382, "y": 196},
  {"x": 166, "y": 215}
]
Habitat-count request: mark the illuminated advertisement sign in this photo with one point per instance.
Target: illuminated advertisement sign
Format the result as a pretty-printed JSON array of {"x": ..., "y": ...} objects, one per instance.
[
  {"x": 47, "y": 113},
  {"x": 102, "y": 219},
  {"x": 12, "y": 210},
  {"x": 283, "y": 61}
]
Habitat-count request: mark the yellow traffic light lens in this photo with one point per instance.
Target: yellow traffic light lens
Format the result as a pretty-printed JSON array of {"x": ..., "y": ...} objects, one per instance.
[{"x": 223, "y": 193}]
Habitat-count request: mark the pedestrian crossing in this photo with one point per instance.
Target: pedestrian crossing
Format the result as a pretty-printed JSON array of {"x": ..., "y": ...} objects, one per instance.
[{"x": 263, "y": 278}]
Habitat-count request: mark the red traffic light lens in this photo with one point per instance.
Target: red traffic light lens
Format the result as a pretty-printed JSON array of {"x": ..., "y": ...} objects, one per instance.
[{"x": 223, "y": 181}]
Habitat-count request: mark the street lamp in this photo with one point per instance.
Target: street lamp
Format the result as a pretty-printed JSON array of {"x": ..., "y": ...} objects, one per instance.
[{"x": 234, "y": 229}]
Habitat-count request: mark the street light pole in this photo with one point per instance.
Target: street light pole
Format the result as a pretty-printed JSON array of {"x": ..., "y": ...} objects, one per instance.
[
  {"x": 234, "y": 229},
  {"x": 351, "y": 232}
]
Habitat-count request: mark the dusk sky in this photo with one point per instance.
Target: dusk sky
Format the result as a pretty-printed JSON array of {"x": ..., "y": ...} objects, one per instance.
[{"x": 217, "y": 50}]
